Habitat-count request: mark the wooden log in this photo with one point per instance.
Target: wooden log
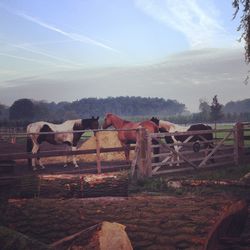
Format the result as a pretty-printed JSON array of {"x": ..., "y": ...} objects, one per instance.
[
  {"x": 230, "y": 224},
  {"x": 19, "y": 186},
  {"x": 108, "y": 184},
  {"x": 67, "y": 186}
]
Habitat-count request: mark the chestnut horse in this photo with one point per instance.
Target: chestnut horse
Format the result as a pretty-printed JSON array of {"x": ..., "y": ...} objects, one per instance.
[{"x": 128, "y": 135}]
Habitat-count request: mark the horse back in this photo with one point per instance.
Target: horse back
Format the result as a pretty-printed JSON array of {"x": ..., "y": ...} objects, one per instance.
[
  {"x": 200, "y": 126},
  {"x": 150, "y": 126},
  {"x": 129, "y": 136}
]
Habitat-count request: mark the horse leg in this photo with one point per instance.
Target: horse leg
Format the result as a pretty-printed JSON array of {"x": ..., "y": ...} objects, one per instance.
[
  {"x": 126, "y": 151},
  {"x": 39, "y": 161},
  {"x": 74, "y": 158},
  {"x": 67, "y": 157},
  {"x": 35, "y": 149}
]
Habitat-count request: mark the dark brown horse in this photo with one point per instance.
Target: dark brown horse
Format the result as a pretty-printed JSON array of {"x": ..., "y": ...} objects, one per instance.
[{"x": 128, "y": 135}]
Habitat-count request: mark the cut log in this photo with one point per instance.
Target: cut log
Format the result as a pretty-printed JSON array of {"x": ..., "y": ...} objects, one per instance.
[
  {"x": 103, "y": 236},
  {"x": 65, "y": 186},
  {"x": 230, "y": 225}
]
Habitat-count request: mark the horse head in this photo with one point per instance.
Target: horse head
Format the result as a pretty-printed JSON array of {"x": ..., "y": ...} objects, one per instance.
[
  {"x": 91, "y": 123},
  {"x": 107, "y": 121},
  {"x": 94, "y": 123},
  {"x": 155, "y": 120}
]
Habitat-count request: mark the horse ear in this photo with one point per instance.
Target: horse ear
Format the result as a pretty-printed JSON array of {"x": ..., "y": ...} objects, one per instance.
[{"x": 97, "y": 118}]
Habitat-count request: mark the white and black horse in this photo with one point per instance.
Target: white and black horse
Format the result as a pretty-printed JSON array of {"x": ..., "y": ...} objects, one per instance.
[
  {"x": 206, "y": 138},
  {"x": 39, "y": 132}
]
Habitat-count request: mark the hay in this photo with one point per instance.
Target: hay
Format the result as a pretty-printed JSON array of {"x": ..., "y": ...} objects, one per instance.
[{"x": 107, "y": 139}]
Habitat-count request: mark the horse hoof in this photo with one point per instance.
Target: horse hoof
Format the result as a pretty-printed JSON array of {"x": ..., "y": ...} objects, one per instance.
[
  {"x": 65, "y": 165},
  {"x": 76, "y": 166},
  {"x": 34, "y": 168},
  {"x": 42, "y": 167}
]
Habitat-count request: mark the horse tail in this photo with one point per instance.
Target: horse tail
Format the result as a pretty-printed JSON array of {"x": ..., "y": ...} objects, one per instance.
[{"x": 29, "y": 146}]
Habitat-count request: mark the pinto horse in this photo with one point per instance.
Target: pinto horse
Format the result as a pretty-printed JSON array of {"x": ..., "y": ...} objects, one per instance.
[
  {"x": 37, "y": 134},
  {"x": 165, "y": 126},
  {"x": 128, "y": 135}
]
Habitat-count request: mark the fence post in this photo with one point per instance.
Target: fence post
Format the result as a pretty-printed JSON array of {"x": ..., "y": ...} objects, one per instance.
[
  {"x": 98, "y": 154},
  {"x": 144, "y": 168},
  {"x": 238, "y": 143}
]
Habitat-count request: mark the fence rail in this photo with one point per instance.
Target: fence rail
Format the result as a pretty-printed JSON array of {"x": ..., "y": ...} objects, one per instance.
[
  {"x": 230, "y": 146},
  {"x": 98, "y": 150}
]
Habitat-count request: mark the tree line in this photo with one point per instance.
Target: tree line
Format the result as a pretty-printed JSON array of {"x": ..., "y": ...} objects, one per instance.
[
  {"x": 27, "y": 110},
  {"x": 24, "y": 111}
]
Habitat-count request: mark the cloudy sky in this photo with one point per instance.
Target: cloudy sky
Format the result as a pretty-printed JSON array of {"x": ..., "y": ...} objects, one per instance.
[{"x": 64, "y": 50}]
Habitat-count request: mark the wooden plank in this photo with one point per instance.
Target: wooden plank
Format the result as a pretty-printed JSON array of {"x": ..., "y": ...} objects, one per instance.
[
  {"x": 246, "y": 137},
  {"x": 197, "y": 132},
  {"x": 18, "y": 156},
  {"x": 214, "y": 149},
  {"x": 98, "y": 155},
  {"x": 173, "y": 151},
  {"x": 183, "y": 169}
]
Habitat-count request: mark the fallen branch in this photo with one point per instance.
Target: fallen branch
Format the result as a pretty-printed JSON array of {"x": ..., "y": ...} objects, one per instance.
[{"x": 84, "y": 234}]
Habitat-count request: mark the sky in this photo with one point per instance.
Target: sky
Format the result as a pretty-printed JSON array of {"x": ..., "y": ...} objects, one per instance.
[{"x": 64, "y": 50}]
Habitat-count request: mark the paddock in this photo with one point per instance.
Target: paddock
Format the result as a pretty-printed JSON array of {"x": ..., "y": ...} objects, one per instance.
[{"x": 101, "y": 151}]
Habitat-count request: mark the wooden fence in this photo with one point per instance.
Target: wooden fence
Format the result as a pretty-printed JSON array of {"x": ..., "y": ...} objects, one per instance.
[
  {"x": 11, "y": 155},
  {"x": 231, "y": 146}
]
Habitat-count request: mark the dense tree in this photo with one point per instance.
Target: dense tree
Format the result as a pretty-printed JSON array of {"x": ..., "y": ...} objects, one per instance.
[
  {"x": 132, "y": 108},
  {"x": 244, "y": 26},
  {"x": 22, "y": 109},
  {"x": 238, "y": 107},
  {"x": 3, "y": 110},
  {"x": 204, "y": 110},
  {"x": 216, "y": 110}
]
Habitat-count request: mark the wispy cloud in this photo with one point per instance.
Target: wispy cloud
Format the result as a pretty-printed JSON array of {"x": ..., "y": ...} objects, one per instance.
[
  {"x": 39, "y": 52},
  {"x": 35, "y": 60},
  {"x": 70, "y": 35},
  {"x": 199, "y": 25},
  {"x": 73, "y": 36}
]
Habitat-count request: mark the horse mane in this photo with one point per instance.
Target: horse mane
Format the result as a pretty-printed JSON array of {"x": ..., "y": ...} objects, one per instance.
[{"x": 78, "y": 125}]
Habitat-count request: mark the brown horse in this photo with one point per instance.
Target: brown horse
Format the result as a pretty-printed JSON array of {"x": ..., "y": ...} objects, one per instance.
[{"x": 128, "y": 135}]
